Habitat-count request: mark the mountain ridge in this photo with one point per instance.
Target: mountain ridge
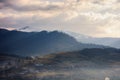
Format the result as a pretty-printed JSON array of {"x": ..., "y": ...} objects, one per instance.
[
  {"x": 39, "y": 43},
  {"x": 107, "y": 41}
]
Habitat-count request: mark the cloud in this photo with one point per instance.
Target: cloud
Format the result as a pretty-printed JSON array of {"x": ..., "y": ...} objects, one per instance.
[
  {"x": 91, "y": 17},
  {"x": 111, "y": 28},
  {"x": 28, "y": 5}
]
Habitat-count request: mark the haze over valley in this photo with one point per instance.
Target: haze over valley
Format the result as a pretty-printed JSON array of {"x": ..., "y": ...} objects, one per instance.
[
  {"x": 55, "y": 55},
  {"x": 59, "y": 39}
]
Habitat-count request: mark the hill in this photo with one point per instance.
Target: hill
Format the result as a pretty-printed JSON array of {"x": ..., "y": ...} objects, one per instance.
[
  {"x": 39, "y": 43},
  {"x": 87, "y": 64},
  {"x": 105, "y": 56},
  {"x": 107, "y": 41}
]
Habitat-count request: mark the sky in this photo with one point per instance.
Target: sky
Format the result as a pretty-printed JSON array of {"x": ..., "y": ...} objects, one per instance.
[{"x": 98, "y": 18}]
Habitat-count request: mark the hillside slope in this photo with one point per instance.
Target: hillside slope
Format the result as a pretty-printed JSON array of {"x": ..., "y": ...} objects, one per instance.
[
  {"x": 38, "y": 43},
  {"x": 107, "y": 41},
  {"x": 87, "y": 64}
]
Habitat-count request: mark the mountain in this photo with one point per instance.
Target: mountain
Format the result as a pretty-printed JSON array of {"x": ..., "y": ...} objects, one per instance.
[
  {"x": 116, "y": 43},
  {"x": 38, "y": 43},
  {"x": 96, "y": 55},
  {"x": 107, "y": 41},
  {"x": 86, "y": 64}
]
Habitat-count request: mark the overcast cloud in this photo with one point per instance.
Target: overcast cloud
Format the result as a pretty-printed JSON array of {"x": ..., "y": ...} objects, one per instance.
[{"x": 100, "y": 18}]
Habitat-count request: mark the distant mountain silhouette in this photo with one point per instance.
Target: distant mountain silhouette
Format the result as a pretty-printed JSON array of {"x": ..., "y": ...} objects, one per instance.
[
  {"x": 116, "y": 43},
  {"x": 38, "y": 43},
  {"x": 107, "y": 41}
]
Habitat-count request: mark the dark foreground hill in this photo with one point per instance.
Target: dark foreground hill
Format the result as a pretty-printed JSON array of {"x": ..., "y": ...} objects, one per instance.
[
  {"x": 96, "y": 55},
  {"x": 38, "y": 43},
  {"x": 87, "y": 64}
]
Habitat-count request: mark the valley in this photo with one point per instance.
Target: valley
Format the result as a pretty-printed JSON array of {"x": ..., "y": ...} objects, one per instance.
[{"x": 87, "y": 64}]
